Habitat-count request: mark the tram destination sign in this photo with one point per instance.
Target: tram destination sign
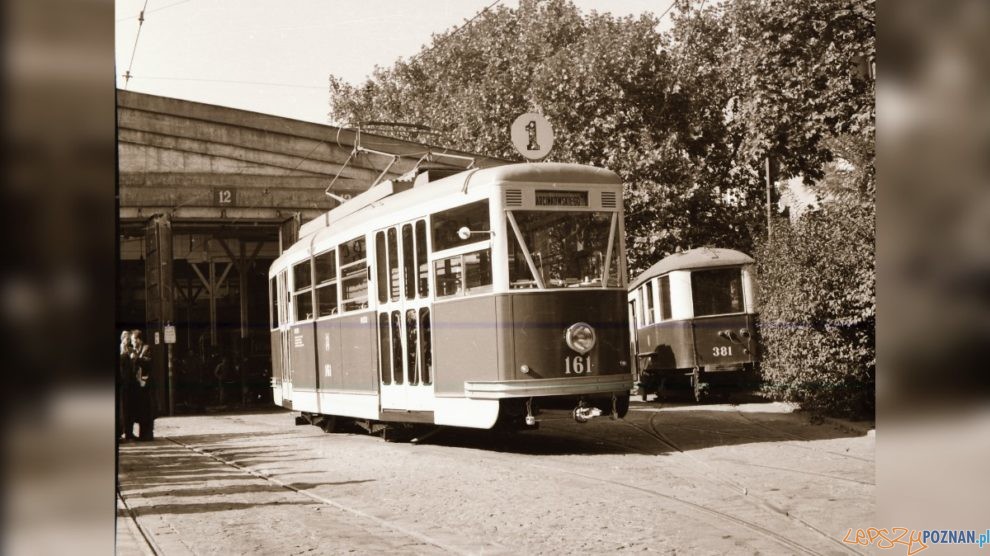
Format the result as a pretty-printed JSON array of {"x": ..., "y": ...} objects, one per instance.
[{"x": 547, "y": 198}]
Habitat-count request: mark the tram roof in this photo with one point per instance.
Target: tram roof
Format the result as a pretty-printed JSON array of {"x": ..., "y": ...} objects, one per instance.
[
  {"x": 398, "y": 195},
  {"x": 701, "y": 257}
]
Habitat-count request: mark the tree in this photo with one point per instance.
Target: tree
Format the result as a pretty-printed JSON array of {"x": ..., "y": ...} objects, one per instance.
[
  {"x": 800, "y": 91},
  {"x": 607, "y": 85}
]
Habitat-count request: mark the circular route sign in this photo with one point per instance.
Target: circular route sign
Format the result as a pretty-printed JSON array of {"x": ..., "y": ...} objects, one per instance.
[{"x": 532, "y": 135}]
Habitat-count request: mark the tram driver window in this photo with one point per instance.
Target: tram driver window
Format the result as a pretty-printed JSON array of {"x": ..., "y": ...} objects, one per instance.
[{"x": 717, "y": 291}]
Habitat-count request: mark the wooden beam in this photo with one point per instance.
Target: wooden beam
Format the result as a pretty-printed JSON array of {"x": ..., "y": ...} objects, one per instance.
[{"x": 206, "y": 283}]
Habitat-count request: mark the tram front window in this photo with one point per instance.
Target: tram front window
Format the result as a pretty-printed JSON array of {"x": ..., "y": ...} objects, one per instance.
[{"x": 567, "y": 249}]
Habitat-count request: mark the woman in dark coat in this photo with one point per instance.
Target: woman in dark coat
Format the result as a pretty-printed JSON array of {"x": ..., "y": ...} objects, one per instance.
[
  {"x": 125, "y": 423},
  {"x": 142, "y": 394}
]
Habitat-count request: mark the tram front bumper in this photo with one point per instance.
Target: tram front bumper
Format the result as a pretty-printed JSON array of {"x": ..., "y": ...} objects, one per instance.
[{"x": 569, "y": 386}]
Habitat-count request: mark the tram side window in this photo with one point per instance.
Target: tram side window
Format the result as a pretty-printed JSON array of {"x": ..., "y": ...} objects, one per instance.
[
  {"x": 408, "y": 262},
  {"x": 445, "y": 225},
  {"x": 302, "y": 294},
  {"x": 393, "y": 265},
  {"x": 412, "y": 346},
  {"x": 648, "y": 309},
  {"x": 384, "y": 348},
  {"x": 665, "y": 312},
  {"x": 717, "y": 291},
  {"x": 470, "y": 273},
  {"x": 381, "y": 267},
  {"x": 396, "y": 347},
  {"x": 478, "y": 272},
  {"x": 273, "y": 295},
  {"x": 425, "y": 347},
  {"x": 448, "y": 276},
  {"x": 325, "y": 271},
  {"x": 353, "y": 275},
  {"x": 422, "y": 260}
]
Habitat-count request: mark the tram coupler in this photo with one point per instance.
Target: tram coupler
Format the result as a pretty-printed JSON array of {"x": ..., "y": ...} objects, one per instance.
[{"x": 583, "y": 414}]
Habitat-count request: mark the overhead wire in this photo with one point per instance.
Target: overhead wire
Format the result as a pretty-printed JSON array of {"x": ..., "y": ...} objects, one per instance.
[
  {"x": 127, "y": 74},
  {"x": 166, "y": 6},
  {"x": 670, "y": 7},
  {"x": 455, "y": 31},
  {"x": 231, "y": 81}
]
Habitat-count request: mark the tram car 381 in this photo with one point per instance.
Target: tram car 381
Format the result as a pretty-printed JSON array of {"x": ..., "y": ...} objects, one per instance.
[
  {"x": 468, "y": 300},
  {"x": 693, "y": 315}
]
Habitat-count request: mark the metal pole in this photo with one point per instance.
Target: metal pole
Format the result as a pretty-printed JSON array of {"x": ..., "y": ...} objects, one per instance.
[
  {"x": 769, "y": 185},
  {"x": 171, "y": 381},
  {"x": 242, "y": 276},
  {"x": 213, "y": 305}
]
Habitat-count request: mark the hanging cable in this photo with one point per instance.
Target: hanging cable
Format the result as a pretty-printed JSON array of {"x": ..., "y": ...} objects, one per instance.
[
  {"x": 455, "y": 31},
  {"x": 127, "y": 74}
]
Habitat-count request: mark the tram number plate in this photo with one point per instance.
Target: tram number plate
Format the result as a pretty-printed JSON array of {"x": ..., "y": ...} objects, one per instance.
[
  {"x": 722, "y": 351},
  {"x": 577, "y": 365}
]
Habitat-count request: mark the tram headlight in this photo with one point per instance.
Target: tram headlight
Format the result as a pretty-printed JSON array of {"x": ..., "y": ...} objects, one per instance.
[{"x": 580, "y": 337}]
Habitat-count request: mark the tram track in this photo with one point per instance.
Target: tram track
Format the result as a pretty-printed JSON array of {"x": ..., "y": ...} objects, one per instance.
[
  {"x": 326, "y": 501},
  {"x": 781, "y": 435},
  {"x": 798, "y": 438},
  {"x": 651, "y": 431},
  {"x": 745, "y": 490},
  {"x": 721, "y": 481},
  {"x": 138, "y": 532}
]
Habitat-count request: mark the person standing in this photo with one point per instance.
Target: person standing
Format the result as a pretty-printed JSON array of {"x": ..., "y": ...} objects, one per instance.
[
  {"x": 143, "y": 387},
  {"x": 125, "y": 421}
]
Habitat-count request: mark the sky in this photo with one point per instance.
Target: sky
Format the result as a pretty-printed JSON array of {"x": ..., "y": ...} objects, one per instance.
[{"x": 275, "y": 57}]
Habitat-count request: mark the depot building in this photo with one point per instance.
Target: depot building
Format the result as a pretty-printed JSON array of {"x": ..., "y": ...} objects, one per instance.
[{"x": 208, "y": 197}]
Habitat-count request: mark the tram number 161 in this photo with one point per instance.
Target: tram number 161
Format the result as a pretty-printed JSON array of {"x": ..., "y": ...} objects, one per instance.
[{"x": 578, "y": 365}]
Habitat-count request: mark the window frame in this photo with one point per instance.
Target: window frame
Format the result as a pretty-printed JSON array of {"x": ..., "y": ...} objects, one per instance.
[
  {"x": 341, "y": 268},
  {"x": 295, "y": 293},
  {"x": 460, "y": 253},
  {"x": 742, "y": 296},
  {"x": 332, "y": 281}
]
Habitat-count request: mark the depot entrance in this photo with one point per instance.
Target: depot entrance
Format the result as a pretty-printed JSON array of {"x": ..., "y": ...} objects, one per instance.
[{"x": 209, "y": 285}]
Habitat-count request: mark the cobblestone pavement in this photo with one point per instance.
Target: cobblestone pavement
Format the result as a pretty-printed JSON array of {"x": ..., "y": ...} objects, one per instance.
[{"x": 694, "y": 479}]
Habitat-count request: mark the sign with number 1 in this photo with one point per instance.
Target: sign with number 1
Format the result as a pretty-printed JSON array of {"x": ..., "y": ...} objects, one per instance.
[{"x": 532, "y": 136}]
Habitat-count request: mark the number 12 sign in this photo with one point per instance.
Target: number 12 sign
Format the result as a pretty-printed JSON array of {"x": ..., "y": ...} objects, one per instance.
[{"x": 224, "y": 196}]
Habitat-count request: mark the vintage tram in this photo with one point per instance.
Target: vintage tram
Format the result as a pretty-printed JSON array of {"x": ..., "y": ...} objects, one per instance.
[
  {"x": 693, "y": 318},
  {"x": 468, "y": 300}
]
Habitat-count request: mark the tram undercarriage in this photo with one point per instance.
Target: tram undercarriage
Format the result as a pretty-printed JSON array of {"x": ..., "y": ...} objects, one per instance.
[{"x": 514, "y": 415}]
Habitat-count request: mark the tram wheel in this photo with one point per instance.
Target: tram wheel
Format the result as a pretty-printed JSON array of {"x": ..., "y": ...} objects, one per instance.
[
  {"x": 622, "y": 405},
  {"x": 328, "y": 423}
]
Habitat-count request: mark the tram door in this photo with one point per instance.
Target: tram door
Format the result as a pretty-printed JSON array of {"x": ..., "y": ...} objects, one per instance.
[
  {"x": 404, "y": 320},
  {"x": 285, "y": 347}
]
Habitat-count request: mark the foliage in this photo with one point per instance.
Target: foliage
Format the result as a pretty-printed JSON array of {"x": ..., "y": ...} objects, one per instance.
[
  {"x": 689, "y": 120},
  {"x": 793, "y": 78},
  {"x": 609, "y": 87},
  {"x": 818, "y": 311}
]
